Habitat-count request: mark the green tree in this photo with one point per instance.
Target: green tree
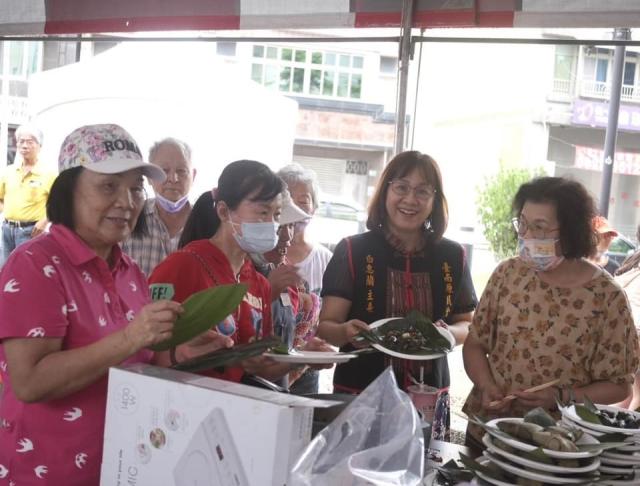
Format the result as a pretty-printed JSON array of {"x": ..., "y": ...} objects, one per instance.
[{"x": 494, "y": 208}]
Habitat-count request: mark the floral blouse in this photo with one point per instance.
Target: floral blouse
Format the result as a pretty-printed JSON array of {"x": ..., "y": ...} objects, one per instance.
[{"x": 534, "y": 332}]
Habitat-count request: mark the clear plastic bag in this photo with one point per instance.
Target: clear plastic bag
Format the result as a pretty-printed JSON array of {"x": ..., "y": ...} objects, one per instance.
[{"x": 376, "y": 440}]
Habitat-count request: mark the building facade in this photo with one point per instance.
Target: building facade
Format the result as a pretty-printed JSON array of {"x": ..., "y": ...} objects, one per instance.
[{"x": 577, "y": 115}]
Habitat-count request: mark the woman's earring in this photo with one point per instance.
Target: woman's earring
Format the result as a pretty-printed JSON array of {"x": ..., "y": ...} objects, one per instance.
[{"x": 428, "y": 226}]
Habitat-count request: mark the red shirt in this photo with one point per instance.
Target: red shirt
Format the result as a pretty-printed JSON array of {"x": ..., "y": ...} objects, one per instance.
[
  {"x": 201, "y": 265},
  {"x": 56, "y": 286}
]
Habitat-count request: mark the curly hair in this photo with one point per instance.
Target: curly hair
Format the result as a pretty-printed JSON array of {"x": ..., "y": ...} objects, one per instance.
[{"x": 575, "y": 211}]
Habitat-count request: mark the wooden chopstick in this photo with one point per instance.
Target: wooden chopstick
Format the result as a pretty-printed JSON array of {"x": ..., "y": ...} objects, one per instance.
[{"x": 508, "y": 398}]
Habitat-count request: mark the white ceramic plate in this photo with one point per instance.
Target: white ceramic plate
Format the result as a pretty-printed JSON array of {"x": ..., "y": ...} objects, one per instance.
[
  {"x": 486, "y": 440},
  {"x": 609, "y": 461},
  {"x": 630, "y": 448},
  {"x": 311, "y": 357},
  {"x": 619, "y": 482},
  {"x": 419, "y": 357},
  {"x": 570, "y": 412},
  {"x": 523, "y": 473},
  {"x": 570, "y": 423},
  {"x": 628, "y": 458},
  {"x": 484, "y": 461},
  {"x": 523, "y": 446},
  {"x": 616, "y": 470}
]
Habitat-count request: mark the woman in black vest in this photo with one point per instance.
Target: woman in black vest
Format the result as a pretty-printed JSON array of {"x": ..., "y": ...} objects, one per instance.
[{"x": 402, "y": 263}]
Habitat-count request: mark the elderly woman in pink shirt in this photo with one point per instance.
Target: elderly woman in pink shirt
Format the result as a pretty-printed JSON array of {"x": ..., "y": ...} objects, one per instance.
[{"x": 72, "y": 305}]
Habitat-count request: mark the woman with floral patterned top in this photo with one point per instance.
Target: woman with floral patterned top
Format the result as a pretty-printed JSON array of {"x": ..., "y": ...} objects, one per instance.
[{"x": 549, "y": 314}]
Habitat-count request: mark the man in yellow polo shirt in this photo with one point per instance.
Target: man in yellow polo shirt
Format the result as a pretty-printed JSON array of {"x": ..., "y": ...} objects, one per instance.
[{"x": 24, "y": 188}]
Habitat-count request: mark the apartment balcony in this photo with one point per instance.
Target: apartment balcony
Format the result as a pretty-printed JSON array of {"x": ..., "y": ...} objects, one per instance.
[
  {"x": 600, "y": 90},
  {"x": 563, "y": 87},
  {"x": 566, "y": 88}
]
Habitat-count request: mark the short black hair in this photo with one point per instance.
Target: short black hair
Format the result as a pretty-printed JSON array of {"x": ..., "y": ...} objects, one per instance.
[
  {"x": 575, "y": 210},
  {"x": 239, "y": 180},
  {"x": 200, "y": 224},
  {"x": 60, "y": 202}
]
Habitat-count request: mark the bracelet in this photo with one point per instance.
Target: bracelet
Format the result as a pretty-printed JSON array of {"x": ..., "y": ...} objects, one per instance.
[{"x": 172, "y": 355}]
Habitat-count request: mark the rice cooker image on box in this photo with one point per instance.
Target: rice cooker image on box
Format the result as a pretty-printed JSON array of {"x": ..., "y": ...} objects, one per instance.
[{"x": 211, "y": 457}]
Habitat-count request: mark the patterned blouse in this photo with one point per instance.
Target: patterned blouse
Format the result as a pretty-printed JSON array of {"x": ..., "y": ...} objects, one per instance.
[{"x": 534, "y": 332}]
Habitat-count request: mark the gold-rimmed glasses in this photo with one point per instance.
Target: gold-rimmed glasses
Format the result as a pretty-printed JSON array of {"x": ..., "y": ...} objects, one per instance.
[
  {"x": 402, "y": 188},
  {"x": 537, "y": 231}
]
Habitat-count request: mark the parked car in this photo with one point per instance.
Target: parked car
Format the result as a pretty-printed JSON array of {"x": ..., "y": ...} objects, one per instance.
[
  {"x": 621, "y": 247},
  {"x": 335, "y": 219}
]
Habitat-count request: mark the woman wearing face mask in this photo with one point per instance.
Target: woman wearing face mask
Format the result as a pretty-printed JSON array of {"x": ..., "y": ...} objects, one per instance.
[
  {"x": 310, "y": 258},
  {"x": 549, "y": 314},
  {"x": 244, "y": 220},
  {"x": 237, "y": 219}
]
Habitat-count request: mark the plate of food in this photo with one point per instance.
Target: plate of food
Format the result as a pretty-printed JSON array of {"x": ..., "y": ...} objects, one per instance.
[
  {"x": 570, "y": 423},
  {"x": 518, "y": 470},
  {"x": 523, "y": 436},
  {"x": 607, "y": 419},
  {"x": 483, "y": 461},
  {"x": 412, "y": 337},
  {"x": 311, "y": 357},
  {"x": 559, "y": 466}
]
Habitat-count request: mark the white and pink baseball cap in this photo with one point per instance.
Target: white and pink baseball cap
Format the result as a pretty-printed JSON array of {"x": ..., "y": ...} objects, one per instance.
[{"x": 106, "y": 149}]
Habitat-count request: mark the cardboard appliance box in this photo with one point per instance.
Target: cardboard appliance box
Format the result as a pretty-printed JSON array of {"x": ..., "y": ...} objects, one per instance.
[{"x": 166, "y": 427}]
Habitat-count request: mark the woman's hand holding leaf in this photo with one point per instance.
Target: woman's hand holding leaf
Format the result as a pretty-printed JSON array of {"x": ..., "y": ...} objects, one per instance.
[
  {"x": 206, "y": 342},
  {"x": 201, "y": 309},
  {"x": 153, "y": 324}
]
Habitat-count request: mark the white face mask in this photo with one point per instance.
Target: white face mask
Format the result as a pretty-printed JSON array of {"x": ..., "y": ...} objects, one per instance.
[
  {"x": 539, "y": 254},
  {"x": 170, "y": 206},
  {"x": 300, "y": 226},
  {"x": 256, "y": 237}
]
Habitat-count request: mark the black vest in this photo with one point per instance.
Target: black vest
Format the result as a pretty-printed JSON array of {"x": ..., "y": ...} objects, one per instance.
[{"x": 372, "y": 255}]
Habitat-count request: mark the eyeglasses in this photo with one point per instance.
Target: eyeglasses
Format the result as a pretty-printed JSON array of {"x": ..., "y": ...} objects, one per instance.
[
  {"x": 522, "y": 227},
  {"x": 403, "y": 189},
  {"x": 25, "y": 141}
]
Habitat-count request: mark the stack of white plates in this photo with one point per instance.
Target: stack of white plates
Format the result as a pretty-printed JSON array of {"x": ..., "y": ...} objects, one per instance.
[
  {"x": 513, "y": 464},
  {"x": 620, "y": 466}
]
